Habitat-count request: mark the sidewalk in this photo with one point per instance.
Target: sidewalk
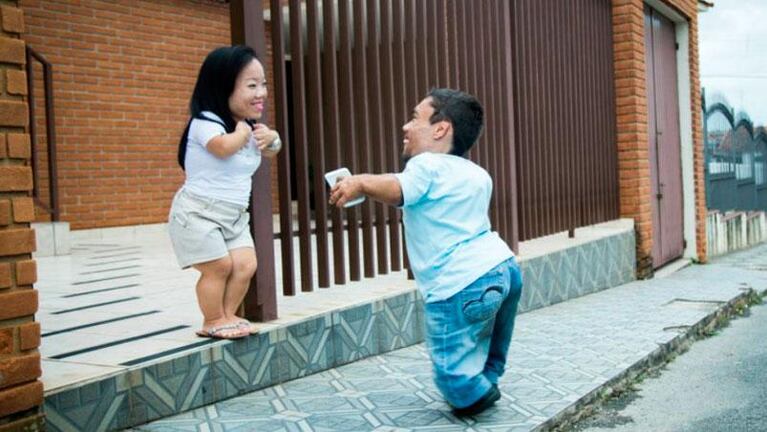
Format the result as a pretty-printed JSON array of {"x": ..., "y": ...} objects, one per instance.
[{"x": 562, "y": 357}]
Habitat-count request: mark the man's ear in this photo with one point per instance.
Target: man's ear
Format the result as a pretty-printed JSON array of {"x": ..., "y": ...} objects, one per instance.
[{"x": 443, "y": 129}]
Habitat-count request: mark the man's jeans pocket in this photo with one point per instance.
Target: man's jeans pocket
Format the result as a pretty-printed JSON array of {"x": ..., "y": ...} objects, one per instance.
[{"x": 485, "y": 307}]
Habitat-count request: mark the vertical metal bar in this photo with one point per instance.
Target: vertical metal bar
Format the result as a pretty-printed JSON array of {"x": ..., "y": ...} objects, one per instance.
[
  {"x": 432, "y": 35},
  {"x": 442, "y": 34},
  {"x": 508, "y": 100},
  {"x": 498, "y": 153},
  {"x": 558, "y": 113},
  {"x": 611, "y": 110},
  {"x": 260, "y": 302},
  {"x": 283, "y": 159},
  {"x": 348, "y": 134},
  {"x": 32, "y": 122},
  {"x": 332, "y": 132},
  {"x": 300, "y": 144},
  {"x": 581, "y": 116},
  {"x": 483, "y": 95},
  {"x": 473, "y": 65},
  {"x": 592, "y": 95},
  {"x": 315, "y": 135},
  {"x": 536, "y": 150},
  {"x": 569, "y": 131},
  {"x": 390, "y": 144},
  {"x": 452, "y": 32},
  {"x": 422, "y": 40},
  {"x": 544, "y": 160},
  {"x": 463, "y": 71},
  {"x": 50, "y": 130},
  {"x": 517, "y": 33},
  {"x": 594, "y": 142},
  {"x": 414, "y": 92},
  {"x": 377, "y": 146},
  {"x": 363, "y": 130}
]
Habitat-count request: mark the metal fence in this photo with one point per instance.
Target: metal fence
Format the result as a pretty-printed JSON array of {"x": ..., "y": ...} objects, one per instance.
[
  {"x": 347, "y": 74},
  {"x": 735, "y": 169},
  {"x": 564, "y": 115},
  {"x": 355, "y": 74}
]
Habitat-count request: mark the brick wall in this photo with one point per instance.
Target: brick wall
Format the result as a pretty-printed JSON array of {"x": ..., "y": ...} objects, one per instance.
[
  {"x": 632, "y": 126},
  {"x": 21, "y": 392},
  {"x": 123, "y": 74}
]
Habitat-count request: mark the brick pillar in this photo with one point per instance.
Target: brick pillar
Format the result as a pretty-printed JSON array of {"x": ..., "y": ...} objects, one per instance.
[
  {"x": 699, "y": 158},
  {"x": 631, "y": 105},
  {"x": 21, "y": 392}
]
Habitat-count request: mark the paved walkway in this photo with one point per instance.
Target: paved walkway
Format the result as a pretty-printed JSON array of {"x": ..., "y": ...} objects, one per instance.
[{"x": 561, "y": 356}]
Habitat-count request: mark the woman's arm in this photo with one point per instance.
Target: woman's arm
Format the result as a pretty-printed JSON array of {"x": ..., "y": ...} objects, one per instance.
[{"x": 226, "y": 145}]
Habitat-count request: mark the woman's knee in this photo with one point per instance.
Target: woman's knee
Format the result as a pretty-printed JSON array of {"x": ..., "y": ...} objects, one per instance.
[
  {"x": 219, "y": 269},
  {"x": 244, "y": 266}
]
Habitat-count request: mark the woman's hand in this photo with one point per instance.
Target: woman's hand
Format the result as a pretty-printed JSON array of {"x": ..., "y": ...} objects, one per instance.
[{"x": 267, "y": 140}]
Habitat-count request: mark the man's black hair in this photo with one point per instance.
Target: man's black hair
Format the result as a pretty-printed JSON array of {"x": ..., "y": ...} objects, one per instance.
[
  {"x": 215, "y": 83},
  {"x": 463, "y": 111}
]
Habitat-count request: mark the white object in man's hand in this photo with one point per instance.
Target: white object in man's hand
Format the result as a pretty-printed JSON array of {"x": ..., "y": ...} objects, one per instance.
[{"x": 332, "y": 178}]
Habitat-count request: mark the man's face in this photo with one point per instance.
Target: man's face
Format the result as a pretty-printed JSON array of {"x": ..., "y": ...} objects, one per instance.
[{"x": 418, "y": 132}]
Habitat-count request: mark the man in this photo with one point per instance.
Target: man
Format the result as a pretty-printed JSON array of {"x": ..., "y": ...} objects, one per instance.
[{"x": 467, "y": 275}]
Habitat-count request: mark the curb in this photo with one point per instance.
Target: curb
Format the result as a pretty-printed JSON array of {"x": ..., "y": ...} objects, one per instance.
[{"x": 662, "y": 355}]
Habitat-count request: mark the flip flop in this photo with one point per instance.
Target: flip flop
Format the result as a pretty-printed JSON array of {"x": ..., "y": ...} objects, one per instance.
[
  {"x": 217, "y": 332},
  {"x": 245, "y": 325}
]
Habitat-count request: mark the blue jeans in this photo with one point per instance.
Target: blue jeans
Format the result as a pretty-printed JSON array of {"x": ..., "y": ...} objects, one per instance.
[{"x": 468, "y": 335}]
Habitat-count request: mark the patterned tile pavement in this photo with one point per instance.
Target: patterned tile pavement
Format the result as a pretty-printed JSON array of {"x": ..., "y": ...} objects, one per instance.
[
  {"x": 559, "y": 355},
  {"x": 141, "y": 370}
]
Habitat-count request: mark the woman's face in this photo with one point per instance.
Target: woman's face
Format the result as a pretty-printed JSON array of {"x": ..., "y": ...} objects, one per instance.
[{"x": 248, "y": 98}]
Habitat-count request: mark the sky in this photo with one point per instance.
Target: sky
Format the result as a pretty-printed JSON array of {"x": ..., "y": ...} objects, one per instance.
[{"x": 733, "y": 55}]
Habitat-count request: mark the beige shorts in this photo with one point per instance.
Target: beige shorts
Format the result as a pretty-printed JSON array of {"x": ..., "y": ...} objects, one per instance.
[{"x": 205, "y": 229}]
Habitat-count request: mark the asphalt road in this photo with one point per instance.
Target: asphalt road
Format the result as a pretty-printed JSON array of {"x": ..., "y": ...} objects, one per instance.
[{"x": 720, "y": 384}]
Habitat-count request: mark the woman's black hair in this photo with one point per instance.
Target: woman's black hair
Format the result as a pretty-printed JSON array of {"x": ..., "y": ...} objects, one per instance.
[{"x": 215, "y": 84}]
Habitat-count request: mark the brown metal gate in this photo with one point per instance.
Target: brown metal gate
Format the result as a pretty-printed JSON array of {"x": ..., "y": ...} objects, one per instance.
[
  {"x": 664, "y": 143},
  {"x": 355, "y": 69},
  {"x": 564, "y": 109}
]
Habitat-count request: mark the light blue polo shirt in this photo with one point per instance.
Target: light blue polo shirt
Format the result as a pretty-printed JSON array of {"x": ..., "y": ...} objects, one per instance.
[{"x": 447, "y": 228}]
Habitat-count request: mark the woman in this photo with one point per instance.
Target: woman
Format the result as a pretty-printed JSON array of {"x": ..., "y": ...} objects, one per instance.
[{"x": 220, "y": 150}]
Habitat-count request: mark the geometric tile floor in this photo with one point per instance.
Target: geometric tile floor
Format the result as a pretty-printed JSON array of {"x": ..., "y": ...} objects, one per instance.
[
  {"x": 559, "y": 355},
  {"x": 120, "y": 300}
]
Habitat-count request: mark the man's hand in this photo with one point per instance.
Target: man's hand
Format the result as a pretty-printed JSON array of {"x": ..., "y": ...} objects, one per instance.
[{"x": 346, "y": 189}]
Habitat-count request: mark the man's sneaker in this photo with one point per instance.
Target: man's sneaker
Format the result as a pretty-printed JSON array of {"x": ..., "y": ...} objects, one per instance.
[{"x": 482, "y": 404}]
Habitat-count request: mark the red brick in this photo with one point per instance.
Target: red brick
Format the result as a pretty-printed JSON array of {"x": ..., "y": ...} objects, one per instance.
[
  {"x": 17, "y": 241},
  {"x": 19, "y": 146},
  {"x": 15, "y": 178},
  {"x": 29, "y": 336},
  {"x": 32, "y": 423},
  {"x": 16, "y": 82},
  {"x": 13, "y": 113},
  {"x": 5, "y": 212},
  {"x": 26, "y": 272},
  {"x": 21, "y": 398},
  {"x": 18, "y": 303},
  {"x": 23, "y": 209},
  {"x": 20, "y": 369},
  {"x": 6, "y": 341},
  {"x": 3, "y": 148},
  {"x": 12, "y": 51},
  {"x": 5, "y": 275},
  {"x": 13, "y": 19}
]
